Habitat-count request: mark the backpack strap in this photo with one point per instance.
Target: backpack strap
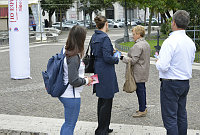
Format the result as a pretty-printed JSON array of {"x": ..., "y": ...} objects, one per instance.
[
  {"x": 62, "y": 50},
  {"x": 67, "y": 84},
  {"x": 74, "y": 91}
]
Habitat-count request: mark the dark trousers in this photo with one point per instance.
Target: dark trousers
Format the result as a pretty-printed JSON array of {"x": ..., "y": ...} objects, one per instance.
[
  {"x": 104, "y": 115},
  {"x": 141, "y": 94},
  {"x": 173, "y": 96}
]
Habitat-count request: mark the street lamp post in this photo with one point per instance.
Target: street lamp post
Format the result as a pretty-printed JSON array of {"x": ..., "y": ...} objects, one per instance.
[
  {"x": 40, "y": 20},
  {"x": 84, "y": 16},
  {"x": 157, "y": 47},
  {"x": 126, "y": 36}
]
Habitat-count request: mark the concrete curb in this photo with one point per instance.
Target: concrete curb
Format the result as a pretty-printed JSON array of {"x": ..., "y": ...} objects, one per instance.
[{"x": 28, "y": 125}]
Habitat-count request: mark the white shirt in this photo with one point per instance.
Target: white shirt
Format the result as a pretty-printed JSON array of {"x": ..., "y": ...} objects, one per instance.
[
  {"x": 69, "y": 91},
  {"x": 176, "y": 57}
]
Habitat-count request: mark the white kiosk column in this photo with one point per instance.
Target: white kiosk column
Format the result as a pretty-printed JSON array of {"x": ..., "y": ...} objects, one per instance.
[{"x": 19, "y": 39}]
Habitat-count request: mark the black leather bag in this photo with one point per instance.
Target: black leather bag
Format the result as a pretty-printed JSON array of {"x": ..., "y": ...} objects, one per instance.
[{"x": 89, "y": 61}]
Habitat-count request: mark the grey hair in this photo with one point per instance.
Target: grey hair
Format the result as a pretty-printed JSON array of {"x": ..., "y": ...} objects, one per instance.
[{"x": 181, "y": 18}]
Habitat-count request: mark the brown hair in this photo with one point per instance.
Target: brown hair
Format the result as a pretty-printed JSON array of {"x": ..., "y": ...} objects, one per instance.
[
  {"x": 75, "y": 41},
  {"x": 100, "y": 21},
  {"x": 139, "y": 30}
]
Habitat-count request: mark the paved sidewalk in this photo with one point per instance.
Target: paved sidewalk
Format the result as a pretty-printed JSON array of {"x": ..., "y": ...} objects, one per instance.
[
  {"x": 51, "y": 126},
  {"x": 26, "y": 107}
]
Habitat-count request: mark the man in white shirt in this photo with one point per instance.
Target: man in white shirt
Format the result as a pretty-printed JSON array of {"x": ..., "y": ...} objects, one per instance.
[{"x": 175, "y": 69}]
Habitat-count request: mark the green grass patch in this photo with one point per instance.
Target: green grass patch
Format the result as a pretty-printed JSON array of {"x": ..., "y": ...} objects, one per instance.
[{"x": 152, "y": 43}]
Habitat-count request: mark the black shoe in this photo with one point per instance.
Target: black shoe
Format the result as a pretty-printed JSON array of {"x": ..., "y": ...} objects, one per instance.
[{"x": 110, "y": 130}]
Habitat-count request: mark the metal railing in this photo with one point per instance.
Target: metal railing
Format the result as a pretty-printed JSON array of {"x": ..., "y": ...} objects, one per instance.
[{"x": 195, "y": 30}]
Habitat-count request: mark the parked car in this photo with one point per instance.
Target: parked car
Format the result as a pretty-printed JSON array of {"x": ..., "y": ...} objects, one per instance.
[
  {"x": 93, "y": 23},
  {"x": 70, "y": 24},
  {"x": 110, "y": 23},
  {"x": 132, "y": 23},
  {"x": 114, "y": 24},
  {"x": 81, "y": 23},
  {"x": 57, "y": 25},
  {"x": 118, "y": 24},
  {"x": 122, "y": 22},
  {"x": 154, "y": 20},
  {"x": 137, "y": 21}
]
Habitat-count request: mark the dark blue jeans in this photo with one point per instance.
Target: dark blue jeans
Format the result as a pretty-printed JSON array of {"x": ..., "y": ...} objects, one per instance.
[
  {"x": 141, "y": 94},
  {"x": 173, "y": 96},
  {"x": 72, "y": 109}
]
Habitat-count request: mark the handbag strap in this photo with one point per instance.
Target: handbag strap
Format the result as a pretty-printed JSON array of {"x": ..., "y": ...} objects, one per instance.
[{"x": 89, "y": 46}]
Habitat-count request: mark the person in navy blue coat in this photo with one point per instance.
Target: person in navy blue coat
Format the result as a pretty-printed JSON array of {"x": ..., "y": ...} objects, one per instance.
[{"x": 104, "y": 66}]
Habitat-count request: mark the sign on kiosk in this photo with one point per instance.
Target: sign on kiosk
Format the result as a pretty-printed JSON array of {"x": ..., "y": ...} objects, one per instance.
[{"x": 19, "y": 39}]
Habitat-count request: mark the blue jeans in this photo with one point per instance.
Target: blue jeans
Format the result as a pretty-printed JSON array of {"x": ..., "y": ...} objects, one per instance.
[
  {"x": 141, "y": 94},
  {"x": 173, "y": 96},
  {"x": 71, "y": 110}
]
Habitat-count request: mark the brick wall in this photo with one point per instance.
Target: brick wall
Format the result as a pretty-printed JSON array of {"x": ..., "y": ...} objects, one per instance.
[{"x": 3, "y": 24}]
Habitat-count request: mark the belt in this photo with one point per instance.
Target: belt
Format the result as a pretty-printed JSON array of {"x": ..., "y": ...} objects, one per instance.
[{"x": 162, "y": 79}]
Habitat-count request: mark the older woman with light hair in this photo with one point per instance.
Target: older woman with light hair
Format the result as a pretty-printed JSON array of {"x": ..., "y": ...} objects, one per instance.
[{"x": 139, "y": 55}]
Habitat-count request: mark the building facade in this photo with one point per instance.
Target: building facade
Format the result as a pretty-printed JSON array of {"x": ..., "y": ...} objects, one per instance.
[
  {"x": 116, "y": 11},
  {"x": 3, "y": 18}
]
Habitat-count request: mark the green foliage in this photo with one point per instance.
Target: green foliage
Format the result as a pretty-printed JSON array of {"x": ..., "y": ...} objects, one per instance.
[
  {"x": 155, "y": 23},
  {"x": 166, "y": 27},
  {"x": 56, "y": 4},
  {"x": 130, "y": 3},
  {"x": 95, "y": 5},
  {"x": 192, "y": 6}
]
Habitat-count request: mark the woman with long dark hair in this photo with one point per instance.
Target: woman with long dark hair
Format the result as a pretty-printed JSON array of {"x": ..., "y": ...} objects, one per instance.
[
  {"x": 103, "y": 50},
  {"x": 74, "y": 75}
]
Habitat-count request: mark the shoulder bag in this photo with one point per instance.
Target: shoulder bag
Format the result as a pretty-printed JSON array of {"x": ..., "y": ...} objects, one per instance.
[
  {"x": 129, "y": 85},
  {"x": 89, "y": 60}
]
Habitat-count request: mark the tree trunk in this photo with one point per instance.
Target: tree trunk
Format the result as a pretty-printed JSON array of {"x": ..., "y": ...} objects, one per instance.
[
  {"x": 145, "y": 14},
  {"x": 149, "y": 26},
  {"x": 90, "y": 13},
  {"x": 168, "y": 14},
  {"x": 51, "y": 12},
  {"x": 164, "y": 17},
  {"x": 174, "y": 10},
  {"x": 130, "y": 18},
  {"x": 126, "y": 36},
  {"x": 61, "y": 19}
]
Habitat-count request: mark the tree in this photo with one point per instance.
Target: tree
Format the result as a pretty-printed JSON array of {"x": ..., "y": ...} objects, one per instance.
[
  {"x": 130, "y": 5},
  {"x": 95, "y": 6},
  {"x": 52, "y": 5}
]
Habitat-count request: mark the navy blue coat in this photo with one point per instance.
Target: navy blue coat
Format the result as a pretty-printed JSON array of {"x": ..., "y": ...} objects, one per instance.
[{"x": 104, "y": 66}]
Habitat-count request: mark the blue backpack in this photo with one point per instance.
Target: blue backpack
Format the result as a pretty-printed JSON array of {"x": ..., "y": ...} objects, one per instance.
[{"x": 53, "y": 76}]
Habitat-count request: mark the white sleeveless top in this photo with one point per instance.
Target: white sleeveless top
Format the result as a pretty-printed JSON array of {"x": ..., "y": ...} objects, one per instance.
[{"x": 69, "y": 91}]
